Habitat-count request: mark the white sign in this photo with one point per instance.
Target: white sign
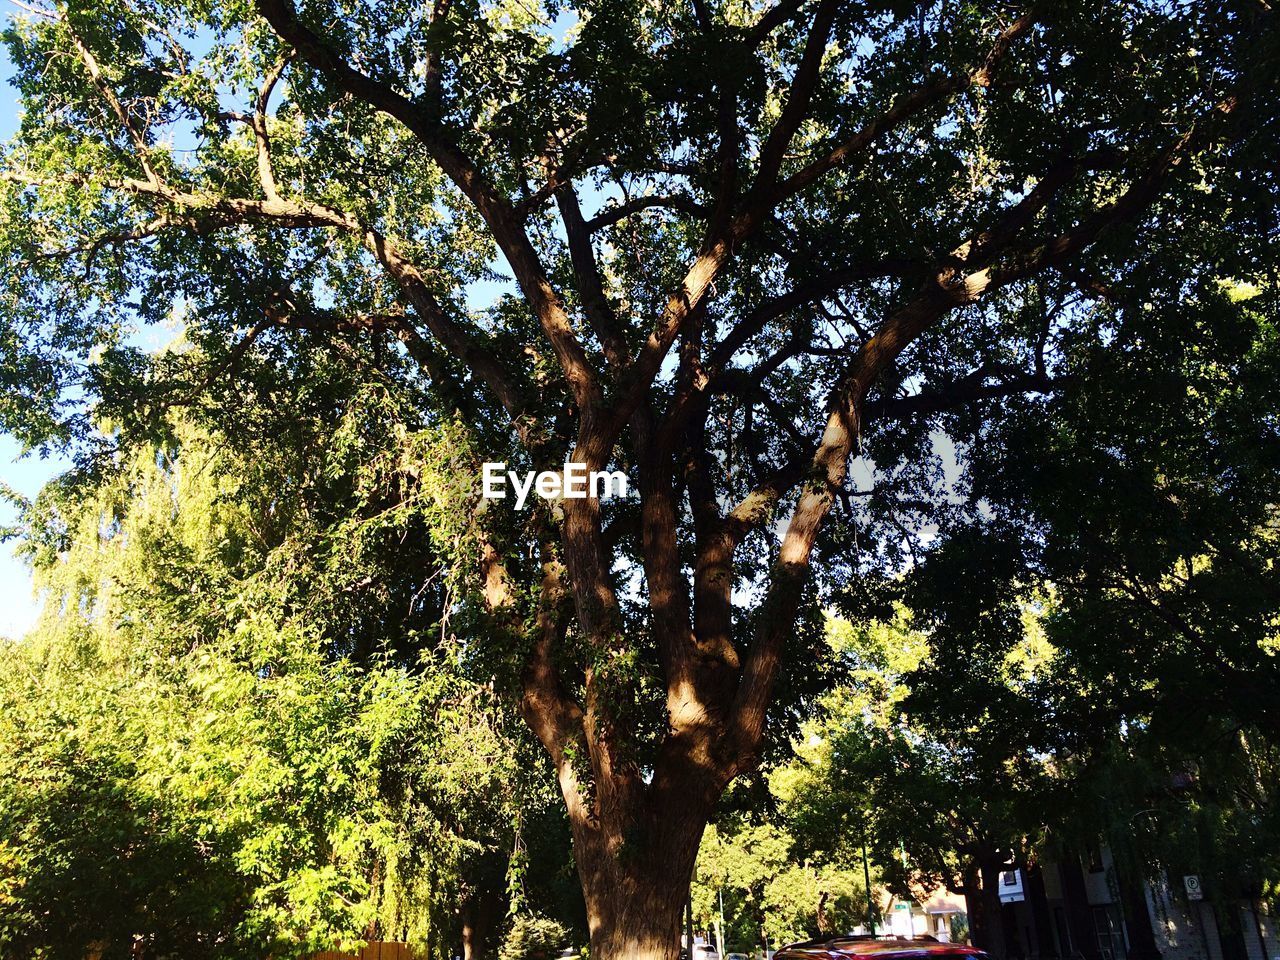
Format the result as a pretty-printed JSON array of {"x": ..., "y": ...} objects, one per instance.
[
  {"x": 575, "y": 483},
  {"x": 1194, "y": 890}
]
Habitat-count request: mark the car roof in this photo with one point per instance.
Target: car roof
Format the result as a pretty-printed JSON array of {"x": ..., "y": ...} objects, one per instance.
[{"x": 863, "y": 945}]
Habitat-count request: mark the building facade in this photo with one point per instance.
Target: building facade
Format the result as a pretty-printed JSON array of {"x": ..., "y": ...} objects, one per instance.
[{"x": 1085, "y": 909}]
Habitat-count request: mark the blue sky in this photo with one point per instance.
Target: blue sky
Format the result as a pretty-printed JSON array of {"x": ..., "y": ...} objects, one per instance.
[
  {"x": 26, "y": 474},
  {"x": 18, "y": 606}
]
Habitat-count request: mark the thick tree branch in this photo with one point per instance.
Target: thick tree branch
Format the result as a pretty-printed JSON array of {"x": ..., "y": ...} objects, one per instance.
[
  {"x": 753, "y": 323},
  {"x": 728, "y": 161},
  {"x": 949, "y": 289},
  {"x": 1013, "y": 220},
  {"x": 907, "y": 107},
  {"x": 801, "y": 94},
  {"x": 639, "y": 376},
  {"x": 613, "y": 214},
  {"x": 595, "y": 304},
  {"x": 432, "y": 74},
  {"x": 668, "y": 600},
  {"x": 550, "y": 712},
  {"x": 771, "y": 20},
  {"x": 807, "y": 292},
  {"x": 826, "y": 474},
  {"x": 503, "y": 219},
  {"x": 266, "y": 170}
]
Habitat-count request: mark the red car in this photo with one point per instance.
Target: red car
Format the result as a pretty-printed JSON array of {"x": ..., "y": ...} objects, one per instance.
[{"x": 865, "y": 947}]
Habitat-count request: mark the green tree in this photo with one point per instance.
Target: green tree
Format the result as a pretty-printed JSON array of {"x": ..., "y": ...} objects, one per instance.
[
  {"x": 204, "y": 754},
  {"x": 1153, "y": 542},
  {"x": 746, "y": 245},
  {"x": 948, "y": 770},
  {"x": 771, "y": 887},
  {"x": 533, "y": 938}
]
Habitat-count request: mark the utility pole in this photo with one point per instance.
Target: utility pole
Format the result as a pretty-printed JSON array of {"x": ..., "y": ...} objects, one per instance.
[
  {"x": 688, "y": 925},
  {"x": 720, "y": 927},
  {"x": 866, "y": 877}
]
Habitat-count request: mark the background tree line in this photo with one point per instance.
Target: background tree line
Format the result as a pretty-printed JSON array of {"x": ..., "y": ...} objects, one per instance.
[
  {"x": 215, "y": 740},
  {"x": 241, "y": 728}
]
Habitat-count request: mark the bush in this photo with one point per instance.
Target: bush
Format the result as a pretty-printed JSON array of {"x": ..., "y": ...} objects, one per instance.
[{"x": 533, "y": 938}]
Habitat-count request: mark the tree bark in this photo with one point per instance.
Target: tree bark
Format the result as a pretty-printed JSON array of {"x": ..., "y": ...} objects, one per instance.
[
  {"x": 993, "y": 939},
  {"x": 481, "y": 919},
  {"x": 973, "y": 903},
  {"x": 1040, "y": 915},
  {"x": 636, "y": 886},
  {"x": 1079, "y": 912}
]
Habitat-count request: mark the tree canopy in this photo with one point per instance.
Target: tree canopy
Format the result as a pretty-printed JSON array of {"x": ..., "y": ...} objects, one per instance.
[{"x": 963, "y": 300}]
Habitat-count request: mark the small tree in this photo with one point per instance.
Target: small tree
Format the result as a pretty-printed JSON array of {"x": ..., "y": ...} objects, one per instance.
[{"x": 533, "y": 938}]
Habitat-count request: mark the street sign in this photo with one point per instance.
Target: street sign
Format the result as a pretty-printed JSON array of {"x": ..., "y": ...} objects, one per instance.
[
  {"x": 1192, "y": 884},
  {"x": 900, "y": 906}
]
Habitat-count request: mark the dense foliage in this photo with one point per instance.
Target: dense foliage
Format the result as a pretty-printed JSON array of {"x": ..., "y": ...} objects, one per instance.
[
  {"x": 944, "y": 307},
  {"x": 217, "y": 744}
]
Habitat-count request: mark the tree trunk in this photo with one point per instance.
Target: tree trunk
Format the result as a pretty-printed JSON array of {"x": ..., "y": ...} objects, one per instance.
[
  {"x": 635, "y": 914},
  {"x": 973, "y": 903},
  {"x": 993, "y": 932},
  {"x": 635, "y": 861},
  {"x": 481, "y": 919},
  {"x": 824, "y": 926},
  {"x": 1040, "y": 916},
  {"x": 1079, "y": 916},
  {"x": 643, "y": 924}
]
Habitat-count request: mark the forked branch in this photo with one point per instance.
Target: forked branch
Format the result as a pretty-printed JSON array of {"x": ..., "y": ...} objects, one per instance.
[
  {"x": 498, "y": 212},
  {"x": 949, "y": 289}
]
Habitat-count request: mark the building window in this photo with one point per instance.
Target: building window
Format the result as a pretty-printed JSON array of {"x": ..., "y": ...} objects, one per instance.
[
  {"x": 1062, "y": 931},
  {"x": 1110, "y": 929},
  {"x": 1095, "y": 858}
]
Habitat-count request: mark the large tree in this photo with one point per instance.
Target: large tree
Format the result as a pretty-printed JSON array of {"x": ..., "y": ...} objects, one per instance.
[{"x": 729, "y": 248}]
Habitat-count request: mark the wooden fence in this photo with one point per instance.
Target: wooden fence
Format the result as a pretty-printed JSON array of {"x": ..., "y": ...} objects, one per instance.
[{"x": 376, "y": 950}]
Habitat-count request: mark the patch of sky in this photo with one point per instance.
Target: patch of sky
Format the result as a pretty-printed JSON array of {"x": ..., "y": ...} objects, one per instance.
[{"x": 23, "y": 473}]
